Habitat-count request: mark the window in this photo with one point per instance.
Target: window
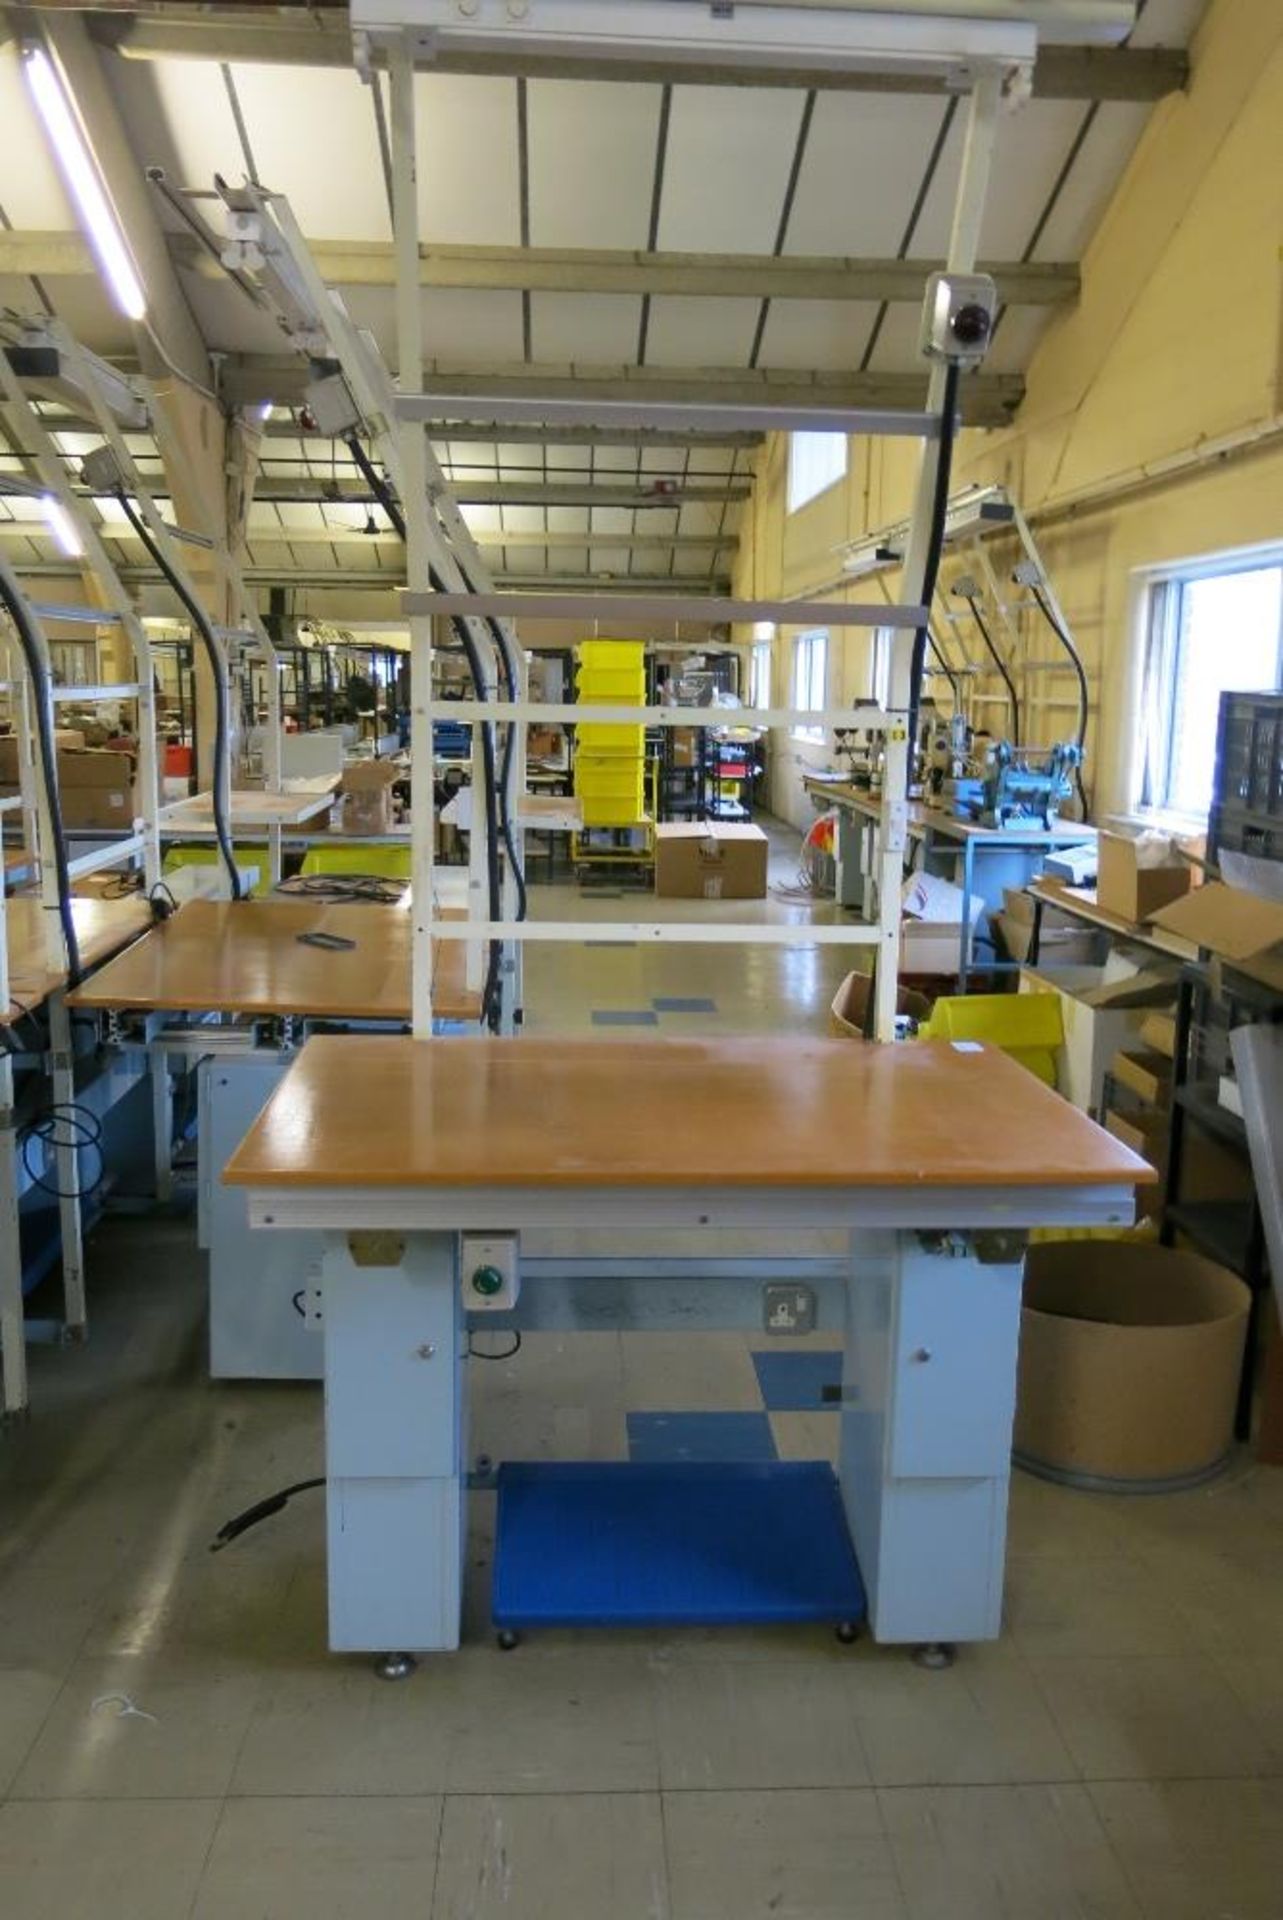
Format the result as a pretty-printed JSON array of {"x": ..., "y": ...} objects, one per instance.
[
  {"x": 1208, "y": 633},
  {"x": 883, "y": 642},
  {"x": 759, "y": 674},
  {"x": 810, "y": 680},
  {"x": 816, "y": 462}
]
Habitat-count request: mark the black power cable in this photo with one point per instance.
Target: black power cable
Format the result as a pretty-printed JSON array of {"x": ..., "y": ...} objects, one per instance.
[
  {"x": 973, "y": 603},
  {"x": 931, "y": 572},
  {"x": 222, "y": 719},
  {"x": 29, "y": 640},
  {"x": 261, "y": 1510},
  {"x": 1080, "y": 672}
]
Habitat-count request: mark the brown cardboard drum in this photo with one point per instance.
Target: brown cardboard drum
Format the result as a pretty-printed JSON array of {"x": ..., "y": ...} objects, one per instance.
[{"x": 1129, "y": 1365}]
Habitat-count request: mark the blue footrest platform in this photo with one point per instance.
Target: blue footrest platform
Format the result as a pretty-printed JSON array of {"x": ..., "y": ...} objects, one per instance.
[{"x": 683, "y": 1544}]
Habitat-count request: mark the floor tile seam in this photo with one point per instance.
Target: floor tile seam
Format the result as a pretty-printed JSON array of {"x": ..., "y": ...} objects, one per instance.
[{"x": 206, "y": 1857}]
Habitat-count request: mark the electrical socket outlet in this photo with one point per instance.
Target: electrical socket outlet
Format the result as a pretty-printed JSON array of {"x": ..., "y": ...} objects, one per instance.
[{"x": 788, "y": 1307}]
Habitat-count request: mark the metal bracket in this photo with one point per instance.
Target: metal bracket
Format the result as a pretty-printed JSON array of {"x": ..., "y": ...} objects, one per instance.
[{"x": 375, "y": 1247}]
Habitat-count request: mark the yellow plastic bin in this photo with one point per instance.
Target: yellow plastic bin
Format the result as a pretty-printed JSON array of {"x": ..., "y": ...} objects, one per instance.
[
  {"x": 176, "y": 858},
  {"x": 599, "y": 738},
  {"x": 1026, "y": 1025},
  {"x": 388, "y": 863}
]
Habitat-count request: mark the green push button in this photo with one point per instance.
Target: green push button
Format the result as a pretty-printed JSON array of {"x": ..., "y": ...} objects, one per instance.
[{"x": 487, "y": 1281}]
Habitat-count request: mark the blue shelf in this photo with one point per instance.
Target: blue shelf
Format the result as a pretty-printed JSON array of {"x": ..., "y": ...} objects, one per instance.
[{"x": 622, "y": 1544}]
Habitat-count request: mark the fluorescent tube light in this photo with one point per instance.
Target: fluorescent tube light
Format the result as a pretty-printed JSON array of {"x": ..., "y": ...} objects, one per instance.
[
  {"x": 842, "y": 37},
  {"x": 81, "y": 176},
  {"x": 63, "y": 528}
]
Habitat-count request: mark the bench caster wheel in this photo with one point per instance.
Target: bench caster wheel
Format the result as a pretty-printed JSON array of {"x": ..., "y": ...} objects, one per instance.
[
  {"x": 935, "y": 1655},
  {"x": 395, "y": 1666},
  {"x": 508, "y": 1639},
  {"x": 848, "y": 1632}
]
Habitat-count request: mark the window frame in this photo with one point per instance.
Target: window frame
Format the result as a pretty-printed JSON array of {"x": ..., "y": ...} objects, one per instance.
[
  {"x": 1162, "y": 635},
  {"x": 806, "y": 645}
]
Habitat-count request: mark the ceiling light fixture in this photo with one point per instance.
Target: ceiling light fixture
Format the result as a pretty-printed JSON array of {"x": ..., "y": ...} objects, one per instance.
[{"x": 81, "y": 175}]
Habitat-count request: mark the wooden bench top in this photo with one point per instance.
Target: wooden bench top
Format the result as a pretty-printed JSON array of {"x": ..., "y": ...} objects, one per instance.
[
  {"x": 779, "y": 1112},
  {"x": 246, "y": 957}
]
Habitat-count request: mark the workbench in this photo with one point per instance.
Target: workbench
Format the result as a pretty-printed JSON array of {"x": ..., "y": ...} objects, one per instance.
[
  {"x": 983, "y": 861},
  {"x": 928, "y": 1157},
  {"x": 229, "y": 990},
  {"x": 47, "y": 1068}
]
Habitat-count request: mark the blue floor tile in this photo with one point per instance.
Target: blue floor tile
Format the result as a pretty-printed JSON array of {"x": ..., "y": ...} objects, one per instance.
[
  {"x": 660, "y": 1438},
  {"x": 684, "y": 1006},
  {"x": 795, "y": 1382},
  {"x": 642, "y": 1017}
]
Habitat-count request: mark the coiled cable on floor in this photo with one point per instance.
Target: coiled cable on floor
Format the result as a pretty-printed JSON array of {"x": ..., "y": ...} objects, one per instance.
[{"x": 66, "y": 1125}]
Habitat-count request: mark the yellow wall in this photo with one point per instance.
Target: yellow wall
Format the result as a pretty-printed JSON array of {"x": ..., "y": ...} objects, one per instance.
[{"x": 1175, "y": 343}]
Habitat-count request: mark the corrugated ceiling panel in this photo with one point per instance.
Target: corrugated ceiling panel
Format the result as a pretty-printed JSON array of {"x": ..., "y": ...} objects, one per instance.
[
  {"x": 864, "y": 160},
  {"x": 1021, "y": 330},
  {"x": 468, "y": 177},
  {"x": 729, "y": 152},
  {"x": 313, "y": 138},
  {"x": 481, "y": 519},
  {"x": 1092, "y": 182},
  {"x": 460, "y": 327},
  {"x": 594, "y": 328},
  {"x": 897, "y": 348},
  {"x": 592, "y": 161},
  {"x": 31, "y": 192},
  {"x": 1031, "y": 150},
  {"x": 1168, "y": 23},
  {"x": 816, "y": 333},
  {"x": 180, "y": 118},
  {"x": 686, "y": 331}
]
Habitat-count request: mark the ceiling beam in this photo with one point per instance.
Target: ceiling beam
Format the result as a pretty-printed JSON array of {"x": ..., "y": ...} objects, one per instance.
[
  {"x": 390, "y": 580},
  {"x": 485, "y": 434},
  {"x": 987, "y": 399},
  {"x": 517, "y": 493},
  {"x": 383, "y": 540},
  {"x": 1061, "y": 73},
  {"x": 720, "y": 276}
]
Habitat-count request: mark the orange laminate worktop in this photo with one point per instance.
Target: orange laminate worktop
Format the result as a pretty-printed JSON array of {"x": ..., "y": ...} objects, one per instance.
[{"x": 366, "y": 1111}]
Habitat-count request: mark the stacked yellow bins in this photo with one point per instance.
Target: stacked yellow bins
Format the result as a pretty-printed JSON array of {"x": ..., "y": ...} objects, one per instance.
[{"x": 610, "y": 761}]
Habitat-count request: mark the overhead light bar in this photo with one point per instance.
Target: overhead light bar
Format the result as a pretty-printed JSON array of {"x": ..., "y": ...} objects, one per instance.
[
  {"x": 977, "y": 510},
  {"x": 63, "y": 528},
  {"x": 760, "y": 33},
  {"x": 81, "y": 175}
]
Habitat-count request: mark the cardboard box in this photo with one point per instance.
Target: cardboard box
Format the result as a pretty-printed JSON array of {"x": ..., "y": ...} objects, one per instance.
[
  {"x": 1158, "y": 1033},
  {"x": 931, "y": 925},
  {"x": 1127, "y": 885},
  {"x": 1020, "y": 906},
  {"x": 1147, "y": 1075},
  {"x": 685, "y": 746},
  {"x": 710, "y": 860},
  {"x": 94, "y": 767},
  {"x": 366, "y": 795},
  {"x": 851, "y": 1007},
  {"x": 1145, "y": 1133},
  {"x": 1058, "y": 946},
  {"x": 63, "y": 737},
  {"x": 1092, "y": 1034},
  {"x": 1238, "y": 926},
  {"x": 1129, "y": 1364},
  {"x": 98, "y": 806}
]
